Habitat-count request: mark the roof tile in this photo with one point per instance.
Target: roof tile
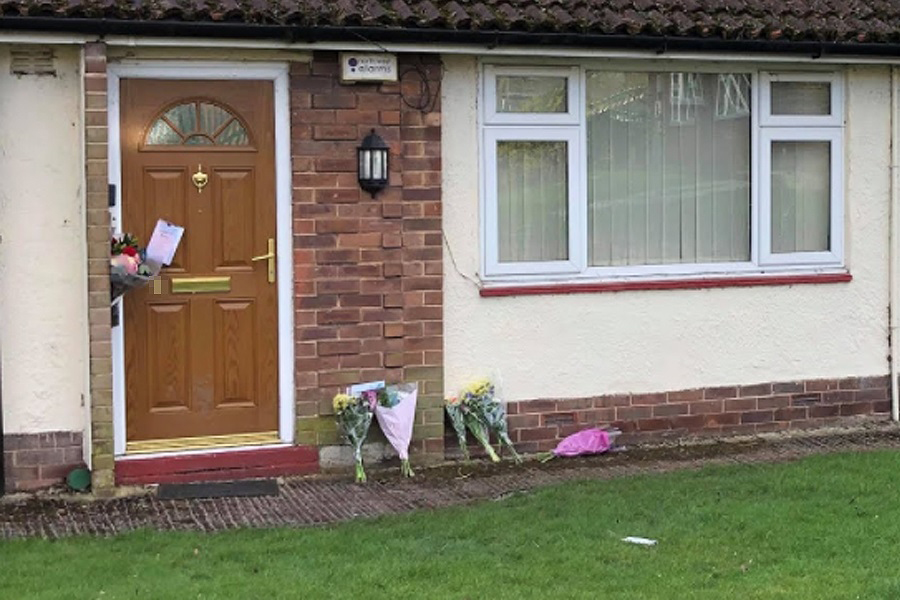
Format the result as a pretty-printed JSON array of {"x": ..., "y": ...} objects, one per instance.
[{"x": 799, "y": 20}]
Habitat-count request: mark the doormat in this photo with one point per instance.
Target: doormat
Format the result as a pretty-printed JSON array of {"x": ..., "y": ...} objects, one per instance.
[{"x": 217, "y": 489}]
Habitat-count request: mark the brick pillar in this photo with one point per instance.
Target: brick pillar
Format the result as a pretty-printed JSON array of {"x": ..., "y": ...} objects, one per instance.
[
  {"x": 98, "y": 231},
  {"x": 368, "y": 282},
  {"x": 422, "y": 250}
]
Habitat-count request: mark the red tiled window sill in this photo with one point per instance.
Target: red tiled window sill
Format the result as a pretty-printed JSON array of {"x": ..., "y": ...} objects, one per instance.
[{"x": 674, "y": 284}]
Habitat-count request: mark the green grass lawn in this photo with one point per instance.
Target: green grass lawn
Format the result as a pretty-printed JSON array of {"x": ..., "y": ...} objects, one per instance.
[{"x": 825, "y": 527}]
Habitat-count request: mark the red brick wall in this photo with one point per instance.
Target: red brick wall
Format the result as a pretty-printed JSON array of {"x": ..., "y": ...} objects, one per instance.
[
  {"x": 537, "y": 425},
  {"x": 368, "y": 279},
  {"x": 39, "y": 460}
]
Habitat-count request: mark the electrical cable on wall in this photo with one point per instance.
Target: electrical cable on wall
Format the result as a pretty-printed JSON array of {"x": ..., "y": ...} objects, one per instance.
[
  {"x": 370, "y": 41},
  {"x": 428, "y": 97},
  {"x": 456, "y": 268}
]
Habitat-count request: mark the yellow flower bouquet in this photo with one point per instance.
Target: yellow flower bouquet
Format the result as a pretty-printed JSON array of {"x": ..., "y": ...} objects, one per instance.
[
  {"x": 478, "y": 409},
  {"x": 354, "y": 415}
]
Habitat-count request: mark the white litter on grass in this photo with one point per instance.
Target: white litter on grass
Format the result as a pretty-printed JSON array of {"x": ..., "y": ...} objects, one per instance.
[{"x": 639, "y": 540}]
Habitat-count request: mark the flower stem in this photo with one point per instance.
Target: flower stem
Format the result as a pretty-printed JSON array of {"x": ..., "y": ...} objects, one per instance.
[
  {"x": 360, "y": 473},
  {"x": 491, "y": 453},
  {"x": 545, "y": 456},
  {"x": 487, "y": 447},
  {"x": 504, "y": 439},
  {"x": 406, "y": 469},
  {"x": 480, "y": 432}
]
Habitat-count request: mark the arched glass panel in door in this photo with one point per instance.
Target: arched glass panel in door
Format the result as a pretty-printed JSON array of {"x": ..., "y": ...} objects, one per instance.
[{"x": 197, "y": 123}]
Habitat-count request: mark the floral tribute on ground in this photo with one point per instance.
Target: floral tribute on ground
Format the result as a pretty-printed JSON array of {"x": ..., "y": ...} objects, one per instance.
[
  {"x": 354, "y": 415},
  {"x": 583, "y": 443},
  {"x": 396, "y": 416},
  {"x": 479, "y": 410},
  {"x": 394, "y": 407},
  {"x": 458, "y": 420}
]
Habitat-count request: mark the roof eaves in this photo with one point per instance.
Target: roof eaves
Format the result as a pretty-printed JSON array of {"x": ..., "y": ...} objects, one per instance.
[{"x": 616, "y": 33}]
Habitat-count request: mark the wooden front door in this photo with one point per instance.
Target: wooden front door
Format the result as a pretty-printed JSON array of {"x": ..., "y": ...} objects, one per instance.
[{"x": 201, "y": 344}]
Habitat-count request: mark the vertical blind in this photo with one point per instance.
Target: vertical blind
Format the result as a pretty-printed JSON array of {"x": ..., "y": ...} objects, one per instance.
[
  {"x": 801, "y": 196},
  {"x": 532, "y": 182},
  {"x": 668, "y": 168}
]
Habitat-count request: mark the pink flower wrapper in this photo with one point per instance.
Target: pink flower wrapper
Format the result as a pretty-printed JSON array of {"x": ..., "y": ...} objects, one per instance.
[
  {"x": 589, "y": 441},
  {"x": 397, "y": 422}
]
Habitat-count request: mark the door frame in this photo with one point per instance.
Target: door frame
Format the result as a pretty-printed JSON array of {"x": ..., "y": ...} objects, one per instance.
[{"x": 199, "y": 70}]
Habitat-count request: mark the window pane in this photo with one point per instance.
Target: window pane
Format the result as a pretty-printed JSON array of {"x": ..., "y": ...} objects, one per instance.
[
  {"x": 212, "y": 117},
  {"x": 801, "y": 98},
  {"x": 162, "y": 134},
  {"x": 521, "y": 94},
  {"x": 233, "y": 135},
  {"x": 532, "y": 191},
  {"x": 801, "y": 196},
  {"x": 184, "y": 117},
  {"x": 195, "y": 124},
  {"x": 668, "y": 168}
]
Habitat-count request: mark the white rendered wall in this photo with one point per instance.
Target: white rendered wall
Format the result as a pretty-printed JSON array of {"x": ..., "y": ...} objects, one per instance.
[
  {"x": 547, "y": 346},
  {"x": 43, "y": 294}
]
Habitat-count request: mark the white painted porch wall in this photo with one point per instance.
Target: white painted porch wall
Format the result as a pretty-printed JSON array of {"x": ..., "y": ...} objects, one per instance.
[
  {"x": 43, "y": 290},
  {"x": 644, "y": 341}
]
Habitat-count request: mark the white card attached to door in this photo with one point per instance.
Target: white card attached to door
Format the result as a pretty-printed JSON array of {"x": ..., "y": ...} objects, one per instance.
[{"x": 164, "y": 242}]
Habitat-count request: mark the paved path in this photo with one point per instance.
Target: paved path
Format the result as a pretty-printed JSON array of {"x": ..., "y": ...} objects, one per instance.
[{"x": 315, "y": 501}]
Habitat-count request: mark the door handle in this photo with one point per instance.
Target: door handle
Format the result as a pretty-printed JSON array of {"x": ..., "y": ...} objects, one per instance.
[{"x": 269, "y": 256}]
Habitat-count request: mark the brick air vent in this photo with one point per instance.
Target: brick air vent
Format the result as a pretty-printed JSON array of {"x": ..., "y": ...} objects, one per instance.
[{"x": 38, "y": 60}]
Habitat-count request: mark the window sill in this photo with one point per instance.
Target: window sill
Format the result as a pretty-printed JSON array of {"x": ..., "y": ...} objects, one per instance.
[{"x": 666, "y": 284}]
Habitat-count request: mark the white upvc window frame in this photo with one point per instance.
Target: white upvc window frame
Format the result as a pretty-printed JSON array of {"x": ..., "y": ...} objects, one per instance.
[
  {"x": 765, "y": 128},
  {"x": 832, "y": 256},
  {"x": 572, "y": 116},
  {"x": 576, "y": 242},
  {"x": 834, "y": 119},
  {"x": 801, "y": 128}
]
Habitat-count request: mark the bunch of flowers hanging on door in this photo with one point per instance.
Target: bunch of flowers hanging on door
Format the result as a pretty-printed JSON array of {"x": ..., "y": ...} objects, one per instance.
[
  {"x": 131, "y": 266},
  {"x": 128, "y": 265},
  {"x": 395, "y": 409}
]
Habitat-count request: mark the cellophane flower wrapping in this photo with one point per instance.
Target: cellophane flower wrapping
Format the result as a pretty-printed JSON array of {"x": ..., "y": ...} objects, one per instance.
[
  {"x": 494, "y": 415},
  {"x": 588, "y": 441},
  {"x": 458, "y": 420},
  {"x": 120, "y": 281},
  {"x": 128, "y": 265},
  {"x": 583, "y": 443},
  {"x": 396, "y": 415},
  {"x": 354, "y": 415},
  {"x": 479, "y": 429}
]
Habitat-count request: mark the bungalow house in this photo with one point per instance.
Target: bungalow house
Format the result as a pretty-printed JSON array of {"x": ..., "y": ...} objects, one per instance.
[{"x": 678, "y": 217}]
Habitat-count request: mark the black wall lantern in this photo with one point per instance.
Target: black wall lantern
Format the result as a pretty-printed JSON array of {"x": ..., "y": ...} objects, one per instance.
[{"x": 373, "y": 155}]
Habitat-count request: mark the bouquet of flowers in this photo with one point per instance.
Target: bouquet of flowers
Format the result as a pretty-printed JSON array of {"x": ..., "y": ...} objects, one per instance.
[
  {"x": 395, "y": 409},
  {"x": 128, "y": 265},
  {"x": 479, "y": 411},
  {"x": 458, "y": 419},
  {"x": 479, "y": 429},
  {"x": 583, "y": 443},
  {"x": 482, "y": 403},
  {"x": 354, "y": 415}
]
